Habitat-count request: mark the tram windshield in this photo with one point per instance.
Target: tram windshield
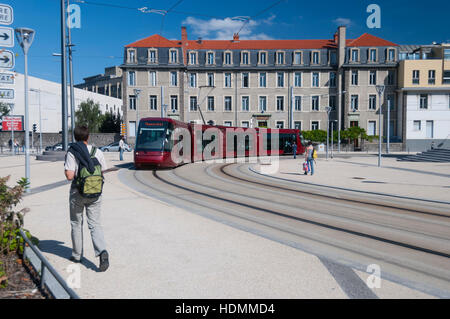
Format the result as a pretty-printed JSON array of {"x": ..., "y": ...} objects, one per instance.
[{"x": 154, "y": 136}]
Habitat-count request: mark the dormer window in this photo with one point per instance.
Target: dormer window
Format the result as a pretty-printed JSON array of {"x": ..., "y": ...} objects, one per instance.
[
  {"x": 355, "y": 55},
  {"x": 315, "y": 57},
  {"x": 245, "y": 58},
  {"x": 132, "y": 56},
  {"x": 173, "y": 56},
  {"x": 210, "y": 58},
  {"x": 227, "y": 58},
  {"x": 391, "y": 55},
  {"x": 333, "y": 57},
  {"x": 280, "y": 57},
  {"x": 152, "y": 56},
  {"x": 372, "y": 55},
  {"x": 297, "y": 57},
  {"x": 263, "y": 58},
  {"x": 192, "y": 58}
]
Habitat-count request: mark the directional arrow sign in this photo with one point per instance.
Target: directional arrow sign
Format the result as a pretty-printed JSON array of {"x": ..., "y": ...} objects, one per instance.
[
  {"x": 6, "y": 14},
  {"x": 6, "y": 37},
  {"x": 7, "y": 94},
  {"x": 6, "y": 59}
]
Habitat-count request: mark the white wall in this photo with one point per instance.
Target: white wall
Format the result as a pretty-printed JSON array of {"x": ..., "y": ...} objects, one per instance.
[
  {"x": 50, "y": 101},
  {"x": 438, "y": 111}
]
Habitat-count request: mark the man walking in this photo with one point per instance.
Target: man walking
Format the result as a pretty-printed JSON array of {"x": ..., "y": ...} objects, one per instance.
[
  {"x": 309, "y": 158},
  {"x": 121, "y": 147},
  {"x": 79, "y": 156}
]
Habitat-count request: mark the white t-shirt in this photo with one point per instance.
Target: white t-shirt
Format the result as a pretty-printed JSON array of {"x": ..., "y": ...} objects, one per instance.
[{"x": 71, "y": 163}]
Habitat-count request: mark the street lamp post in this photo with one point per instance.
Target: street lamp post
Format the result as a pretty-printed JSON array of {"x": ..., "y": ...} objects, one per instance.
[
  {"x": 13, "y": 149},
  {"x": 137, "y": 92},
  {"x": 380, "y": 91},
  {"x": 25, "y": 37},
  {"x": 332, "y": 137},
  {"x": 339, "y": 125},
  {"x": 328, "y": 109}
]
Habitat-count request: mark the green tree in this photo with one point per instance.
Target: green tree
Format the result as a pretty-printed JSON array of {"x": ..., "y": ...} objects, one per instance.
[
  {"x": 111, "y": 123},
  {"x": 89, "y": 114},
  {"x": 315, "y": 136}
]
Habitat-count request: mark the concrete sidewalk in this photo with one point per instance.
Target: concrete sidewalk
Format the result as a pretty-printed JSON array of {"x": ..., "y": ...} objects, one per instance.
[
  {"x": 159, "y": 251},
  {"x": 429, "y": 181}
]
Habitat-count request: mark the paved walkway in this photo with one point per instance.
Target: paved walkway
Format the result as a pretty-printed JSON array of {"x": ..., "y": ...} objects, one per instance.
[{"x": 158, "y": 251}]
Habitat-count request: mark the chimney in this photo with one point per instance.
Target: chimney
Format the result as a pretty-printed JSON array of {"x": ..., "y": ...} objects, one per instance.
[
  {"x": 336, "y": 36},
  {"x": 236, "y": 37},
  {"x": 342, "y": 44},
  {"x": 183, "y": 34}
]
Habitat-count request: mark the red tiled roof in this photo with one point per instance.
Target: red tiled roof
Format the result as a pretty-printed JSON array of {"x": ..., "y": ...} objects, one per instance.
[
  {"x": 154, "y": 41},
  {"x": 368, "y": 40},
  {"x": 159, "y": 41}
]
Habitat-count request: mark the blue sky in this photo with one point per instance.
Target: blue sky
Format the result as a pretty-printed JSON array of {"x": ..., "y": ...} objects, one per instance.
[{"x": 105, "y": 30}]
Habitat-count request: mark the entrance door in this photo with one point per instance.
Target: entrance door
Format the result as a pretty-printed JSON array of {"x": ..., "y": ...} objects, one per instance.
[
  {"x": 430, "y": 129},
  {"x": 356, "y": 141}
]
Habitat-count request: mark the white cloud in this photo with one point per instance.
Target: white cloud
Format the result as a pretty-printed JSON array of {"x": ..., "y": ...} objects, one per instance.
[
  {"x": 223, "y": 29},
  {"x": 343, "y": 21}
]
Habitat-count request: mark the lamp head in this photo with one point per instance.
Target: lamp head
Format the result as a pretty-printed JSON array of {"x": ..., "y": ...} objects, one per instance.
[{"x": 25, "y": 37}]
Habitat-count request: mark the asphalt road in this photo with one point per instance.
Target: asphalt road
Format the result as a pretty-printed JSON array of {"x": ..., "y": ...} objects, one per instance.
[{"x": 409, "y": 240}]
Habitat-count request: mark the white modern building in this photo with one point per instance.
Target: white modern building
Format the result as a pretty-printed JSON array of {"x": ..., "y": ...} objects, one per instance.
[{"x": 45, "y": 101}]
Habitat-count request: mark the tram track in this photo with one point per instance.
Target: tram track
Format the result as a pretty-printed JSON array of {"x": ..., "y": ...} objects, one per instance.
[{"x": 412, "y": 244}]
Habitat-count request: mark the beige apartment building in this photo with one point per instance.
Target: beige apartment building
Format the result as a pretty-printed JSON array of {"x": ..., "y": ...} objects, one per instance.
[
  {"x": 261, "y": 83},
  {"x": 424, "y": 95}
]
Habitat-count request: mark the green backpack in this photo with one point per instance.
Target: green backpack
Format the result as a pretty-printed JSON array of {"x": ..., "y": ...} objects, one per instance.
[{"x": 90, "y": 185}]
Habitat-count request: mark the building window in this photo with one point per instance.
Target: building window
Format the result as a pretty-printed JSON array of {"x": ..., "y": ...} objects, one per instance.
[
  {"x": 280, "y": 125},
  {"x": 372, "y": 102},
  {"x": 373, "y": 55},
  {"x": 245, "y": 104},
  {"x": 415, "y": 77},
  {"x": 263, "y": 103},
  {"x": 314, "y": 125},
  {"x": 372, "y": 128},
  {"x": 333, "y": 58},
  {"x": 173, "y": 56},
  {"x": 228, "y": 106},
  {"x": 424, "y": 101},
  {"x": 391, "y": 55},
  {"x": 354, "y": 77},
  {"x": 332, "y": 101},
  {"x": 174, "y": 103},
  {"x": 280, "y": 57},
  {"x": 132, "y": 56},
  {"x": 153, "y": 103},
  {"x": 332, "y": 79},
  {"x": 446, "y": 77},
  {"x": 355, "y": 55},
  {"x": 132, "y": 127},
  {"x": 192, "y": 58},
  {"x": 298, "y": 103},
  {"x": 193, "y": 103},
  {"x": 228, "y": 123},
  {"x": 131, "y": 78},
  {"x": 315, "y": 103},
  {"x": 228, "y": 58},
  {"x": 431, "y": 77},
  {"x": 211, "y": 103},
  {"x": 354, "y": 102},
  {"x": 173, "y": 78},
  {"x": 132, "y": 102},
  {"x": 446, "y": 54},
  {"x": 152, "y": 78},
  {"x": 298, "y": 79},
  {"x": 280, "y": 79},
  {"x": 263, "y": 58},
  {"x": 245, "y": 80},
  {"x": 315, "y": 79},
  {"x": 297, "y": 58},
  {"x": 245, "y": 124},
  {"x": 390, "y": 77},
  {"x": 211, "y": 79},
  {"x": 298, "y": 125},
  {"x": 262, "y": 80},
  {"x": 280, "y": 103},
  {"x": 210, "y": 58},
  {"x": 193, "y": 80},
  {"x": 417, "y": 125},
  {"x": 152, "y": 56},
  {"x": 373, "y": 77},
  {"x": 315, "y": 58},
  {"x": 245, "y": 59},
  {"x": 227, "y": 80}
]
